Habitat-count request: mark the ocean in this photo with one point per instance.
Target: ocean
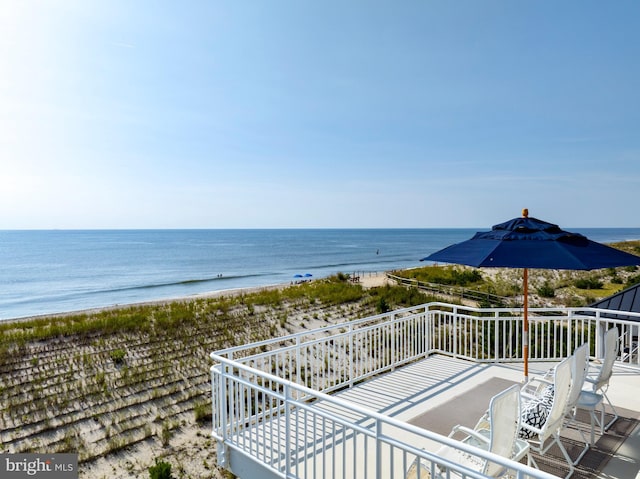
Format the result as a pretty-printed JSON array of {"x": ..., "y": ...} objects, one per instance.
[{"x": 46, "y": 272}]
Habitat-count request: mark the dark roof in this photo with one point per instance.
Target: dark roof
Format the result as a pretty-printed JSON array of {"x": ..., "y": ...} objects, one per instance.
[{"x": 625, "y": 300}]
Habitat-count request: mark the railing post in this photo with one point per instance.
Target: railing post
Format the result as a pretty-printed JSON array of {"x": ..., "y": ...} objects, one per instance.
[
  {"x": 392, "y": 318},
  {"x": 378, "y": 449},
  {"x": 455, "y": 332},
  {"x": 428, "y": 330},
  {"x": 600, "y": 331},
  {"x": 351, "y": 356},
  {"x": 298, "y": 362},
  {"x": 287, "y": 434},
  {"x": 496, "y": 336},
  {"x": 223, "y": 458}
]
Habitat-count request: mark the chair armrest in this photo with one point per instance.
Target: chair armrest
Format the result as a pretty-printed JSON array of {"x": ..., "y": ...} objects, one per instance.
[
  {"x": 591, "y": 383},
  {"x": 534, "y": 387},
  {"x": 542, "y": 380},
  {"x": 520, "y": 449},
  {"x": 482, "y": 441}
]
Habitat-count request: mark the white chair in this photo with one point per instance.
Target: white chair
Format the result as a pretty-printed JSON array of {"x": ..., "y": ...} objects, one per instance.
[
  {"x": 542, "y": 437},
  {"x": 592, "y": 402},
  {"x": 598, "y": 381},
  {"x": 495, "y": 432},
  {"x": 579, "y": 367}
]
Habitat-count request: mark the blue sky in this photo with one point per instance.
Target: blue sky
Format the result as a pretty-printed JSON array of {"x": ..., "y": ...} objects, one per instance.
[{"x": 276, "y": 114}]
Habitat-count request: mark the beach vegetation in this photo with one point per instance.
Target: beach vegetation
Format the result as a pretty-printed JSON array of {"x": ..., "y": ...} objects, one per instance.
[
  {"x": 160, "y": 470},
  {"x": 449, "y": 275},
  {"x": 203, "y": 412},
  {"x": 546, "y": 290},
  {"x": 342, "y": 277},
  {"x": 382, "y": 307},
  {"x": 118, "y": 355},
  {"x": 588, "y": 283},
  {"x": 165, "y": 433},
  {"x": 396, "y": 296},
  {"x": 632, "y": 281}
]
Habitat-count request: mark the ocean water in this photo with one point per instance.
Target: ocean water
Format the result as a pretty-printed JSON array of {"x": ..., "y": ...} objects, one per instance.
[{"x": 44, "y": 272}]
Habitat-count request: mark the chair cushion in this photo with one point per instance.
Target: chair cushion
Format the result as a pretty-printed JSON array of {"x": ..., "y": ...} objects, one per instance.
[{"x": 535, "y": 412}]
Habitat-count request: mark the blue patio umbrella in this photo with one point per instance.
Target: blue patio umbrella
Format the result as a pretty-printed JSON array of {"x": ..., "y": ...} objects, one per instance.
[{"x": 531, "y": 243}]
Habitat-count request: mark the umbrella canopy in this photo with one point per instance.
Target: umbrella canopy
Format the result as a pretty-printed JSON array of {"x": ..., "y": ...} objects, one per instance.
[{"x": 531, "y": 243}]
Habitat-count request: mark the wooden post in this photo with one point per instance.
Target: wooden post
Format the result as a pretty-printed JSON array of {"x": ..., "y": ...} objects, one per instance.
[{"x": 525, "y": 335}]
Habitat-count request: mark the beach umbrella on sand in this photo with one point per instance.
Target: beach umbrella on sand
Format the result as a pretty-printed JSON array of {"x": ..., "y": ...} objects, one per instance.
[{"x": 531, "y": 243}]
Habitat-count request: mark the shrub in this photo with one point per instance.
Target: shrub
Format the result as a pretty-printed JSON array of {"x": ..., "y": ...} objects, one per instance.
[
  {"x": 161, "y": 470},
  {"x": 631, "y": 280},
  {"x": 588, "y": 283},
  {"x": 203, "y": 413},
  {"x": 382, "y": 306},
  {"x": 342, "y": 277},
  {"x": 546, "y": 290},
  {"x": 165, "y": 435},
  {"x": 117, "y": 356}
]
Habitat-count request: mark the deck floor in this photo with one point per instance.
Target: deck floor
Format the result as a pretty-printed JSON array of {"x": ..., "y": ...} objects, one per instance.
[{"x": 417, "y": 388}]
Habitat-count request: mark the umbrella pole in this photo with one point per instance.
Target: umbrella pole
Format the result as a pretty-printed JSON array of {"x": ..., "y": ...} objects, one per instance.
[{"x": 525, "y": 336}]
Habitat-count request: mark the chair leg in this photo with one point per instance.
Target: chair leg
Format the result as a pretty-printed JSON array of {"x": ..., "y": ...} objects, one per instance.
[
  {"x": 566, "y": 455},
  {"x": 587, "y": 443},
  {"x": 543, "y": 450},
  {"x": 615, "y": 413},
  {"x": 586, "y": 447}
]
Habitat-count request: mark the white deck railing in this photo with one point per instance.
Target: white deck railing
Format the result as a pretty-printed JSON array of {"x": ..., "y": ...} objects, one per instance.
[{"x": 271, "y": 401}]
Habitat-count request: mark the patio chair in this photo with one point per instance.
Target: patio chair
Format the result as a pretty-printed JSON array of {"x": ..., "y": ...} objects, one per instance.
[
  {"x": 545, "y": 431},
  {"x": 495, "y": 432},
  {"x": 598, "y": 380},
  {"x": 579, "y": 367}
]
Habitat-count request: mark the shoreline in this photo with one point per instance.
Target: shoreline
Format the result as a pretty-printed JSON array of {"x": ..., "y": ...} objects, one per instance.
[
  {"x": 152, "y": 302},
  {"x": 367, "y": 280}
]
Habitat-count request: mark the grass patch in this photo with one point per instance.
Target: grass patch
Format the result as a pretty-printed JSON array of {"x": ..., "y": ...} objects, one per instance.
[{"x": 449, "y": 275}]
